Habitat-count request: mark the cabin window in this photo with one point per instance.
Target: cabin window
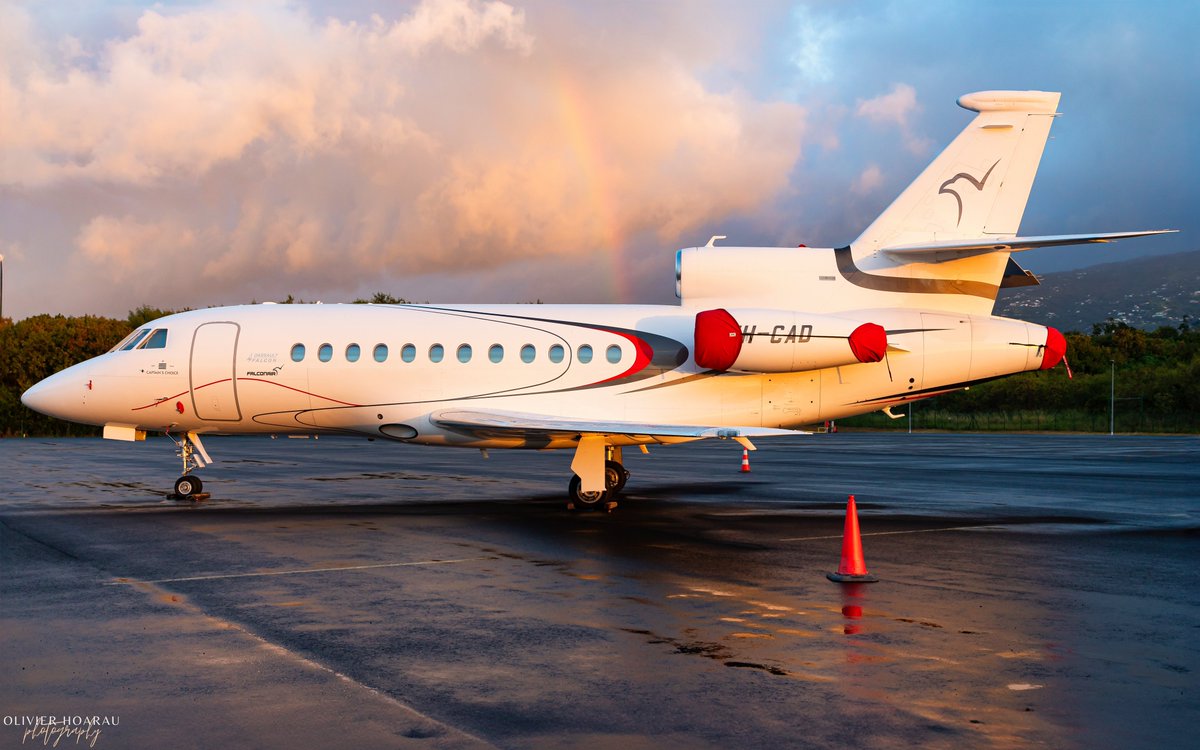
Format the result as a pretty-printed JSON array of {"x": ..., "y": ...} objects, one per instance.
[
  {"x": 381, "y": 352},
  {"x": 584, "y": 355},
  {"x": 137, "y": 339},
  {"x": 408, "y": 353},
  {"x": 613, "y": 353},
  {"x": 353, "y": 352},
  {"x": 464, "y": 353},
  {"x": 556, "y": 353},
  {"x": 436, "y": 353},
  {"x": 528, "y": 352},
  {"x": 298, "y": 352},
  {"x": 156, "y": 340},
  {"x": 325, "y": 353},
  {"x": 496, "y": 353}
]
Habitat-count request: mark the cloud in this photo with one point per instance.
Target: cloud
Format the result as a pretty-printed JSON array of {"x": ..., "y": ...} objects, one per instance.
[
  {"x": 186, "y": 91},
  {"x": 120, "y": 244},
  {"x": 813, "y": 36},
  {"x": 868, "y": 181},
  {"x": 898, "y": 107},
  {"x": 894, "y": 107},
  {"x": 259, "y": 144},
  {"x": 460, "y": 25}
]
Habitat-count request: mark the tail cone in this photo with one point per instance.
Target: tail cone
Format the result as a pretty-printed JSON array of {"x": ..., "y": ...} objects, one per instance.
[
  {"x": 853, "y": 568},
  {"x": 745, "y": 461}
]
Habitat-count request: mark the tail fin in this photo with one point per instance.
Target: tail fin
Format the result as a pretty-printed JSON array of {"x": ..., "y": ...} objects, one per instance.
[
  {"x": 976, "y": 188},
  {"x": 943, "y": 245}
]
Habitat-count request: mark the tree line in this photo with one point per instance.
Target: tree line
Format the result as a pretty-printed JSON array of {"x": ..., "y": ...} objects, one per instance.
[{"x": 1143, "y": 381}]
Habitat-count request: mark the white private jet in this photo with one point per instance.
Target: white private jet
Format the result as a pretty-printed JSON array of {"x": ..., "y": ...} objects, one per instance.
[{"x": 764, "y": 340}]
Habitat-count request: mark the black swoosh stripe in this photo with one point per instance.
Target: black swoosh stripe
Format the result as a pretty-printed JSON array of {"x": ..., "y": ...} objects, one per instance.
[{"x": 851, "y": 272}]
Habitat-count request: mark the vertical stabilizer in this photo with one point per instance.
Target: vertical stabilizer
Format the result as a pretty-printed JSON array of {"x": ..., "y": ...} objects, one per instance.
[{"x": 978, "y": 186}]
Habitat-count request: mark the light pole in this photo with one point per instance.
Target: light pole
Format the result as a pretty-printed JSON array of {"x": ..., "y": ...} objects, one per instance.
[{"x": 1112, "y": 395}]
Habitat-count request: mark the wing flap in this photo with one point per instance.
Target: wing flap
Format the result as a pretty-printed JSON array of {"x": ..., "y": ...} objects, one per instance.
[{"x": 489, "y": 423}]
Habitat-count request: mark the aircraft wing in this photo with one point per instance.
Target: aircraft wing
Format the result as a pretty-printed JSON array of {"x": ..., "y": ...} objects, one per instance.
[
  {"x": 938, "y": 251},
  {"x": 501, "y": 424}
]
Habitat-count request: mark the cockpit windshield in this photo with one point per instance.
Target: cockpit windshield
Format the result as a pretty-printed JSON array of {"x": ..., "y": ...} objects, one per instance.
[{"x": 143, "y": 338}]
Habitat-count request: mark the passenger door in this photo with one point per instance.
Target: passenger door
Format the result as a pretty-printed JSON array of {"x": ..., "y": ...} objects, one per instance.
[{"x": 213, "y": 376}]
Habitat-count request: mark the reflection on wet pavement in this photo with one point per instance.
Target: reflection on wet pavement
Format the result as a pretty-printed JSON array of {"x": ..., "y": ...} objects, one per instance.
[{"x": 439, "y": 605}]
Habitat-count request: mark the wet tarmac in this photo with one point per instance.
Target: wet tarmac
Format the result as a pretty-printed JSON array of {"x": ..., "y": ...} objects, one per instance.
[{"x": 1037, "y": 591}]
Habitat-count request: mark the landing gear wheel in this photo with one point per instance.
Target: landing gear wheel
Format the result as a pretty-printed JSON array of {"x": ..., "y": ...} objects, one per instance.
[
  {"x": 615, "y": 477},
  {"x": 188, "y": 486},
  {"x": 587, "y": 500}
]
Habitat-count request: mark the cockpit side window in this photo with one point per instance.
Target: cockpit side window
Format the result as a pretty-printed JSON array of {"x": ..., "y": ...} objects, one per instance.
[
  {"x": 156, "y": 340},
  {"x": 117, "y": 346},
  {"x": 135, "y": 339}
]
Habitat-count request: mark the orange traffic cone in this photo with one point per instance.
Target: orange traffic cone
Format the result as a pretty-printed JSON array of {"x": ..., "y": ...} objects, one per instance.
[
  {"x": 745, "y": 460},
  {"x": 854, "y": 567}
]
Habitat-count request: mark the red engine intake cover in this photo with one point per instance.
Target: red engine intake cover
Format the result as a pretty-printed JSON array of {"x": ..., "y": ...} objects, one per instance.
[
  {"x": 868, "y": 342},
  {"x": 1056, "y": 348},
  {"x": 718, "y": 340}
]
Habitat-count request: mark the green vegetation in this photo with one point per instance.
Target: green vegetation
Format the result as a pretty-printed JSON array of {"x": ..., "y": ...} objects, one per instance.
[
  {"x": 40, "y": 346},
  {"x": 382, "y": 298},
  {"x": 1157, "y": 380}
]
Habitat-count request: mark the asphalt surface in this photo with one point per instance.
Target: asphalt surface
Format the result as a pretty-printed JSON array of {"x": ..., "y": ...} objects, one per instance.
[{"x": 1037, "y": 591}]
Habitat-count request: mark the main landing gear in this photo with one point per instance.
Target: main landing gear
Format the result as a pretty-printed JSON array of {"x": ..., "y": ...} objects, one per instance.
[
  {"x": 191, "y": 451},
  {"x": 614, "y": 477}
]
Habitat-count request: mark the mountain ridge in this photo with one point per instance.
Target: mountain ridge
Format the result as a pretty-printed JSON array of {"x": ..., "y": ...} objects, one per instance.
[{"x": 1146, "y": 293}]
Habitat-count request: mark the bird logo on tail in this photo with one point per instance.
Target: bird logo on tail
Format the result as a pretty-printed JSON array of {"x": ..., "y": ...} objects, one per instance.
[{"x": 945, "y": 188}]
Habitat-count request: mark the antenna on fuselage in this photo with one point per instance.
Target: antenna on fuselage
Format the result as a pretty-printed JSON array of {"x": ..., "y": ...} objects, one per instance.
[{"x": 712, "y": 240}]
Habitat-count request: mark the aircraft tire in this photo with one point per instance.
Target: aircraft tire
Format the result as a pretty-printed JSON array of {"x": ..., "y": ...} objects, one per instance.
[
  {"x": 586, "y": 500},
  {"x": 615, "y": 477},
  {"x": 187, "y": 486}
]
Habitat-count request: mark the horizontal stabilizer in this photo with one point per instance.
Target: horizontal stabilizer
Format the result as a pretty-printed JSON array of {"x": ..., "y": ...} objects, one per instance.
[
  {"x": 515, "y": 424},
  {"x": 935, "y": 252}
]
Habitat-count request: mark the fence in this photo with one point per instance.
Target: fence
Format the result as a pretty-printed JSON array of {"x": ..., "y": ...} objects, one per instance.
[{"x": 1131, "y": 418}]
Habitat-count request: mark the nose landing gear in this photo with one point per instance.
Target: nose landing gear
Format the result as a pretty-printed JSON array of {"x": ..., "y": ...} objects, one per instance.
[
  {"x": 191, "y": 451},
  {"x": 187, "y": 487}
]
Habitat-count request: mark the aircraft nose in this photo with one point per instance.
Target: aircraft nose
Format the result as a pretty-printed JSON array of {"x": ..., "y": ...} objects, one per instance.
[{"x": 61, "y": 395}]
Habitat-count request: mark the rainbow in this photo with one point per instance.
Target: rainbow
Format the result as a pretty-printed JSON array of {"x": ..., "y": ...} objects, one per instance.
[{"x": 585, "y": 144}]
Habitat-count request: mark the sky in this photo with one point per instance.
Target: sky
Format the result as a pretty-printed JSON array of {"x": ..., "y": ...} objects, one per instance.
[{"x": 201, "y": 153}]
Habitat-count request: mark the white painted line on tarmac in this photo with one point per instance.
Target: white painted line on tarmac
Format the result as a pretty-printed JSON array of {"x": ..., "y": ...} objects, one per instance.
[
  {"x": 881, "y": 533},
  {"x": 300, "y": 571}
]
